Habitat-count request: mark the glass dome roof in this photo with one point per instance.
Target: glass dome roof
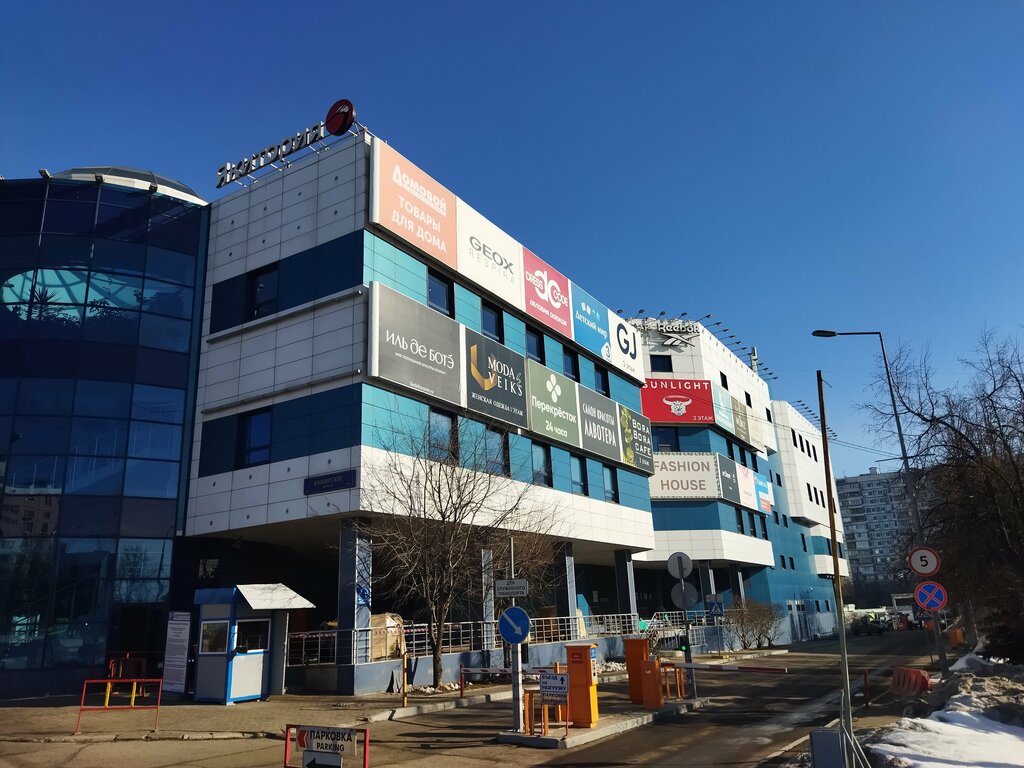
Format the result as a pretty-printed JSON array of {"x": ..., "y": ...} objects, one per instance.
[{"x": 132, "y": 177}]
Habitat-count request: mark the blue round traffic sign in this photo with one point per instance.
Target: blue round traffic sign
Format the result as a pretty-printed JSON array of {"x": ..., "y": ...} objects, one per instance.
[
  {"x": 930, "y": 595},
  {"x": 514, "y": 625}
]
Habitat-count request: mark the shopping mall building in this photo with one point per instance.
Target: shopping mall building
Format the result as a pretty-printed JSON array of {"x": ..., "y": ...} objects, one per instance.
[{"x": 203, "y": 396}]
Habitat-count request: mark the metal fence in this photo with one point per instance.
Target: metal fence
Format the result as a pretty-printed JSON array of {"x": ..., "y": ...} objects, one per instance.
[{"x": 375, "y": 644}]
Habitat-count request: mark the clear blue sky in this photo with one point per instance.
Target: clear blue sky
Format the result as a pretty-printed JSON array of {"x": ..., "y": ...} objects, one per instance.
[{"x": 783, "y": 165}]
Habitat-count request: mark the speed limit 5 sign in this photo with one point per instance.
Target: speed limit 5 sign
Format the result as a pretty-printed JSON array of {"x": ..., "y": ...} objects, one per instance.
[{"x": 924, "y": 561}]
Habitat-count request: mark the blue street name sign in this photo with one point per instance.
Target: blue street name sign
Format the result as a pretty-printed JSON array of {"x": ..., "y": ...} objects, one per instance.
[
  {"x": 930, "y": 595},
  {"x": 514, "y": 625}
]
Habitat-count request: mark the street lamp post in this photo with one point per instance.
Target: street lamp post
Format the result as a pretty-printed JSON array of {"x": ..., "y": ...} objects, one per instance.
[{"x": 908, "y": 483}]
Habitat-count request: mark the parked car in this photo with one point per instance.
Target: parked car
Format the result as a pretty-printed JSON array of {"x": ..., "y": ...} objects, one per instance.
[{"x": 866, "y": 626}]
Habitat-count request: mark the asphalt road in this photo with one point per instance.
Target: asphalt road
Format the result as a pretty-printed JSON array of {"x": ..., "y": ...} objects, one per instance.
[{"x": 750, "y": 717}]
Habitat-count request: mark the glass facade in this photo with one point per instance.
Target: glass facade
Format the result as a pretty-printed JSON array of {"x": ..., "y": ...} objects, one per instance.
[{"x": 97, "y": 351}]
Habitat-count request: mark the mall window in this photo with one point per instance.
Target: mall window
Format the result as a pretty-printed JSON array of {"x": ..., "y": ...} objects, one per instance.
[
  {"x": 792, "y": 567},
  {"x": 775, "y": 514},
  {"x": 731, "y": 449},
  {"x": 750, "y": 403},
  {"x": 725, "y": 380},
  {"x": 443, "y": 437},
  {"x": 254, "y": 438},
  {"x": 764, "y": 528},
  {"x": 535, "y": 345},
  {"x": 492, "y": 322},
  {"x": 542, "y": 465},
  {"x": 817, "y": 606},
  {"x": 252, "y": 635},
  {"x": 578, "y": 474},
  {"x": 768, "y": 414},
  {"x": 611, "y": 485},
  {"x": 661, "y": 363},
  {"x": 810, "y": 497},
  {"x": 801, "y": 439},
  {"x": 440, "y": 293},
  {"x": 785, "y": 522},
  {"x": 739, "y": 520},
  {"x": 782, "y": 561},
  {"x": 261, "y": 292},
  {"x": 570, "y": 364},
  {"x": 803, "y": 541},
  {"x": 828, "y": 608},
  {"x": 753, "y": 523},
  {"x": 213, "y": 637},
  {"x": 497, "y": 451},
  {"x": 666, "y": 439},
  {"x": 778, "y": 479},
  {"x": 601, "y": 381},
  {"x": 814, "y": 448}
]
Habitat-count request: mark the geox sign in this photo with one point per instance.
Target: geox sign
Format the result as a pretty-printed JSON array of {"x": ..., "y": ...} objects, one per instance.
[{"x": 340, "y": 118}]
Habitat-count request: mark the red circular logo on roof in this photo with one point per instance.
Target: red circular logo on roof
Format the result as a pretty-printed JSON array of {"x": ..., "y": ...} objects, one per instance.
[{"x": 340, "y": 117}]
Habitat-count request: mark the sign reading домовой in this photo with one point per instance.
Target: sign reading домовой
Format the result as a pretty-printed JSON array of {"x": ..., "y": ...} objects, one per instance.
[
  {"x": 685, "y": 476},
  {"x": 495, "y": 380},
  {"x": 412, "y": 205},
  {"x": 590, "y": 323},
  {"x": 554, "y": 409},
  {"x": 637, "y": 445},
  {"x": 599, "y": 425},
  {"x": 415, "y": 347}
]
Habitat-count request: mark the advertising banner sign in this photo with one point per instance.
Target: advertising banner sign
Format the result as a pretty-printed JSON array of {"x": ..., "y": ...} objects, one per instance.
[
  {"x": 723, "y": 408},
  {"x": 625, "y": 345},
  {"x": 728, "y": 479},
  {"x": 764, "y": 492},
  {"x": 409, "y": 203},
  {"x": 547, "y": 294},
  {"x": 179, "y": 625},
  {"x": 739, "y": 417},
  {"x": 599, "y": 425},
  {"x": 637, "y": 445},
  {"x": 590, "y": 323},
  {"x": 553, "y": 405},
  {"x": 680, "y": 401},
  {"x": 745, "y": 479},
  {"x": 489, "y": 257},
  {"x": 415, "y": 347},
  {"x": 685, "y": 476},
  {"x": 495, "y": 380}
]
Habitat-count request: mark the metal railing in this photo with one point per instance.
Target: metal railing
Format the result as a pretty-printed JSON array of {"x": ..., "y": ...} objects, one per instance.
[{"x": 375, "y": 644}]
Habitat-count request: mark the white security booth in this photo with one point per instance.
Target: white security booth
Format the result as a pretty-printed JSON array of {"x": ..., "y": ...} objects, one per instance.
[{"x": 243, "y": 637}]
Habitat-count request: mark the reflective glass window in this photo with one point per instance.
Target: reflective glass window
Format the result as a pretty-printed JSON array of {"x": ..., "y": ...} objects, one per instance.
[
  {"x": 534, "y": 345},
  {"x": 148, "y": 517},
  {"x": 111, "y": 257},
  {"x": 86, "y": 558},
  {"x": 89, "y": 515},
  {"x": 76, "y": 645},
  {"x": 261, "y": 291},
  {"x": 497, "y": 452},
  {"x": 16, "y": 288},
  {"x": 69, "y": 217},
  {"x": 164, "y": 333},
  {"x": 45, "y": 396},
  {"x": 109, "y": 362},
  {"x": 17, "y": 216},
  {"x": 40, "y": 434},
  {"x": 106, "y": 323},
  {"x": 611, "y": 484},
  {"x": 542, "y": 474},
  {"x": 124, "y": 198},
  {"x": 34, "y": 474},
  {"x": 98, "y": 437},
  {"x": 141, "y": 590},
  {"x": 154, "y": 441},
  {"x": 8, "y": 390},
  {"x": 158, "y": 404},
  {"x": 170, "y": 266},
  {"x": 54, "y": 321},
  {"x": 444, "y": 438},
  {"x": 94, "y": 475},
  {"x": 65, "y": 252},
  {"x": 440, "y": 293},
  {"x": 26, "y": 559},
  {"x": 175, "y": 233},
  {"x": 31, "y": 515},
  {"x": 102, "y": 398},
  {"x": 82, "y": 193},
  {"x": 116, "y": 291},
  {"x": 157, "y": 366},
  {"x": 578, "y": 474},
  {"x": 59, "y": 286},
  {"x": 167, "y": 299},
  {"x": 152, "y": 479},
  {"x": 144, "y": 559},
  {"x": 122, "y": 223},
  {"x": 254, "y": 437}
]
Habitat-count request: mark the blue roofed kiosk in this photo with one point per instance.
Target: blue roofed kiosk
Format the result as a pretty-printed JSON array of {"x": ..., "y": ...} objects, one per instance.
[{"x": 242, "y": 639}]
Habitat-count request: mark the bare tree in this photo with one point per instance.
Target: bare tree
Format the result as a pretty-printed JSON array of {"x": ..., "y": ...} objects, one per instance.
[
  {"x": 970, "y": 438},
  {"x": 756, "y": 624},
  {"x": 440, "y": 493}
]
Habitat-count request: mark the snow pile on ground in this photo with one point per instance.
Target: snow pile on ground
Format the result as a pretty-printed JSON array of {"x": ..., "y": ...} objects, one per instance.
[
  {"x": 609, "y": 667},
  {"x": 980, "y": 726},
  {"x": 430, "y": 690}
]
